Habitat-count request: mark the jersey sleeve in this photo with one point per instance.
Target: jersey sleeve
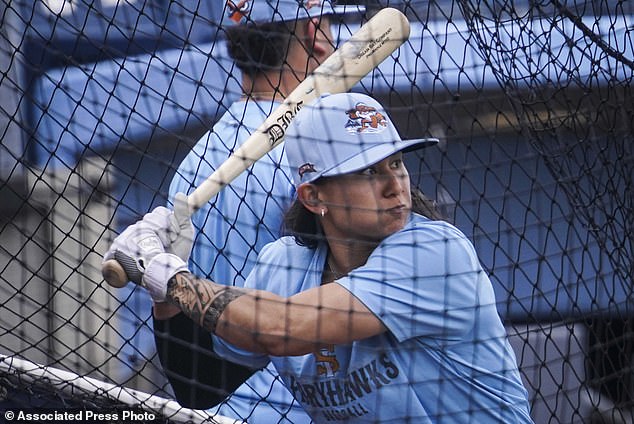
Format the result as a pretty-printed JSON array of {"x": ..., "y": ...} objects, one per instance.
[
  {"x": 282, "y": 267},
  {"x": 238, "y": 356},
  {"x": 422, "y": 281}
]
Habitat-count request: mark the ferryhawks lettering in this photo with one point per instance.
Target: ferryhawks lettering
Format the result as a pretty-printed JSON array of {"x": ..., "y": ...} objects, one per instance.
[{"x": 342, "y": 396}]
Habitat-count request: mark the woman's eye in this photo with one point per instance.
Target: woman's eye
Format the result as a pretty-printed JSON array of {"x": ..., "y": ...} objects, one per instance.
[
  {"x": 396, "y": 164},
  {"x": 368, "y": 171}
]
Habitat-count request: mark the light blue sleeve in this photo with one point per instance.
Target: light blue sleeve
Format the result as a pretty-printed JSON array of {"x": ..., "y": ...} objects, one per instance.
[
  {"x": 239, "y": 356},
  {"x": 281, "y": 267},
  {"x": 421, "y": 281}
]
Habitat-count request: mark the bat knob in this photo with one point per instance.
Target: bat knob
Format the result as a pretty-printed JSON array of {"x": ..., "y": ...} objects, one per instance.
[{"x": 114, "y": 274}]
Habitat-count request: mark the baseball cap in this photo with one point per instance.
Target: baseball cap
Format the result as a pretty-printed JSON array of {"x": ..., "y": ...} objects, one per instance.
[
  {"x": 342, "y": 133},
  {"x": 263, "y": 11}
]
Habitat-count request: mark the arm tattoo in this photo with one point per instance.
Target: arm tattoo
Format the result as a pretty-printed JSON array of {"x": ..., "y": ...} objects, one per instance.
[{"x": 201, "y": 300}]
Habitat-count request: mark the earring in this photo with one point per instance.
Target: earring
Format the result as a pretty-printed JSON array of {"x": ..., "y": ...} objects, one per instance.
[{"x": 323, "y": 213}]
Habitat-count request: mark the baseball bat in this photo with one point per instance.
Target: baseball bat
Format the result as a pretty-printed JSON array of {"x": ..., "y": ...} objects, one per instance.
[{"x": 370, "y": 45}]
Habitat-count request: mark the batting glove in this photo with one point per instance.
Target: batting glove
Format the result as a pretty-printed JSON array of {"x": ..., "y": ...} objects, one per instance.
[
  {"x": 134, "y": 248},
  {"x": 158, "y": 273},
  {"x": 174, "y": 228},
  {"x": 182, "y": 235},
  {"x": 140, "y": 251}
]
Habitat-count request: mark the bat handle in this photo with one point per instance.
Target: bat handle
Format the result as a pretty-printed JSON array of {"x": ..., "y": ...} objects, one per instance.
[{"x": 114, "y": 274}]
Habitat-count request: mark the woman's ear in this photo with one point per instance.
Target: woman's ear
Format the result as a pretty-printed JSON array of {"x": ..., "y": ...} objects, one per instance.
[{"x": 308, "y": 195}]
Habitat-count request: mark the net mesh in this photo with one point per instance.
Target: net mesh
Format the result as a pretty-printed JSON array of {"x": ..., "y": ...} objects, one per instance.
[
  {"x": 34, "y": 388},
  {"x": 101, "y": 100}
]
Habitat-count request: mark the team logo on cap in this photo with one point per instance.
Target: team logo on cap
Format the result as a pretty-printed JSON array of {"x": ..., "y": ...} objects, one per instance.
[
  {"x": 307, "y": 167},
  {"x": 311, "y": 3},
  {"x": 364, "y": 118},
  {"x": 238, "y": 12}
]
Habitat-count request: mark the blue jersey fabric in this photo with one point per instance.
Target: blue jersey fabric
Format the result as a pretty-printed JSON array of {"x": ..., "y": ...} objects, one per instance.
[
  {"x": 230, "y": 232},
  {"x": 445, "y": 357},
  {"x": 246, "y": 215}
]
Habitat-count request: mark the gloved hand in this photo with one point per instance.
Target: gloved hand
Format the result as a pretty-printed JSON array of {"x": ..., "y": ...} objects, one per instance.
[
  {"x": 160, "y": 232},
  {"x": 174, "y": 228},
  {"x": 134, "y": 248},
  {"x": 140, "y": 252},
  {"x": 158, "y": 273}
]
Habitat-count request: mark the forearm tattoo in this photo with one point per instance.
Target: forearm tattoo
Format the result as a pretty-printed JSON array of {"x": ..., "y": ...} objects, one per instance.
[{"x": 200, "y": 299}]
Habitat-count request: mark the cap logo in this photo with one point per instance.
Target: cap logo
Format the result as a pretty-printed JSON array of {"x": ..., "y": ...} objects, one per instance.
[
  {"x": 238, "y": 12},
  {"x": 307, "y": 4},
  {"x": 364, "y": 118},
  {"x": 307, "y": 167}
]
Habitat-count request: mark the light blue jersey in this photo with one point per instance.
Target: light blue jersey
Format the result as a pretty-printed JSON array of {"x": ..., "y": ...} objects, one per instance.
[
  {"x": 444, "y": 358},
  {"x": 230, "y": 232},
  {"x": 246, "y": 215}
]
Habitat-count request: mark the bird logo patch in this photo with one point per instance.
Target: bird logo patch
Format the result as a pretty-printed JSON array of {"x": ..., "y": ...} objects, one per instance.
[
  {"x": 238, "y": 12},
  {"x": 364, "y": 118},
  {"x": 307, "y": 167}
]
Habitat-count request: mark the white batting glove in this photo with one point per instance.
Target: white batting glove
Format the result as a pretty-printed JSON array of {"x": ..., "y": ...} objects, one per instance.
[
  {"x": 160, "y": 231},
  {"x": 174, "y": 228},
  {"x": 183, "y": 238},
  {"x": 140, "y": 252},
  {"x": 134, "y": 248},
  {"x": 158, "y": 273}
]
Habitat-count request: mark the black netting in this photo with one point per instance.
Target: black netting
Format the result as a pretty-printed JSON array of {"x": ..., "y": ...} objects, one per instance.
[{"x": 101, "y": 100}]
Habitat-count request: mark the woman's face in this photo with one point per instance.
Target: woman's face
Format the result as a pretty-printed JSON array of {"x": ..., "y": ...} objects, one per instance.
[{"x": 367, "y": 205}]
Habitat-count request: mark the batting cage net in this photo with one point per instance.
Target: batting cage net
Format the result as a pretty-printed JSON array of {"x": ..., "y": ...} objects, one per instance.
[{"x": 106, "y": 109}]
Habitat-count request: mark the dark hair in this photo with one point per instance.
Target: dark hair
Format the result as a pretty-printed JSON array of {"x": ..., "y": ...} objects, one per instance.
[
  {"x": 304, "y": 226},
  {"x": 259, "y": 48}
]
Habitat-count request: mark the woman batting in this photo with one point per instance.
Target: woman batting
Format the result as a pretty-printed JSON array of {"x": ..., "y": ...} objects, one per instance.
[{"x": 370, "y": 311}]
